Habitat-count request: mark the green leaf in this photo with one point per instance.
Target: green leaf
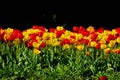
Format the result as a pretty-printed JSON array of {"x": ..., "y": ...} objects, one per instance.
[
  {"x": 64, "y": 24},
  {"x": 3, "y": 64},
  {"x": 0, "y": 59},
  {"x": 92, "y": 68},
  {"x": 54, "y": 18},
  {"x": 51, "y": 55}
]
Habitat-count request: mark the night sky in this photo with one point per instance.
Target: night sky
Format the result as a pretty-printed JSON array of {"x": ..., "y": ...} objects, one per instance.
[{"x": 58, "y": 13}]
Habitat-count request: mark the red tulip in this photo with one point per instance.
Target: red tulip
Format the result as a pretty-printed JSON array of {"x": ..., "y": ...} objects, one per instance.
[
  {"x": 103, "y": 78},
  {"x": 72, "y": 37},
  {"x": 35, "y": 27},
  {"x": 17, "y": 34},
  {"x": 84, "y": 41},
  {"x": 40, "y": 34},
  {"x": 111, "y": 37},
  {"x": 98, "y": 46},
  {"x": 42, "y": 28},
  {"x": 43, "y": 44},
  {"x": 117, "y": 30},
  {"x": 32, "y": 36},
  {"x": 66, "y": 41},
  {"x": 59, "y": 33},
  {"x": 52, "y": 30},
  {"x": 85, "y": 33},
  {"x": 12, "y": 37},
  {"x": 94, "y": 36},
  {"x": 29, "y": 44},
  {"x": 100, "y": 30},
  {"x": 75, "y": 29},
  {"x": 81, "y": 28}
]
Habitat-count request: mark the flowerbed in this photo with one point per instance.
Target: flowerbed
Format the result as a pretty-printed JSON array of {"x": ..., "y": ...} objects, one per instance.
[{"x": 57, "y": 53}]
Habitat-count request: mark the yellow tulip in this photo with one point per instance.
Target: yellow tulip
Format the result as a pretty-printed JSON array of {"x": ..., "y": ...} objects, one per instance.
[
  {"x": 106, "y": 32},
  {"x": 67, "y": 32},
  {"x": 36, "y": 45},
  {"x": 113, "y": 31},
  {"x": 45, "y": 35},
  {"x": 38, "y": 39},
  {"x": 80, "y": 47},
  {"x": 79, "y": 36},
  {"x": 116, "y": 51},
  {"x": 56, "y": 43},
  {"x": 49, "y": 41},
  {"x": 118, "y": 40},
  {"x": 87, "y": 37},
  {"x": 102, "y": 41},
  {"x": 64, "y": 36},
  {"x": 52, "y": 35},
  {"x": 104, "y": 37},
  {"x": 24, "y": 33},
  {"x": 35, "y": 31},
  {"x": 93, "y": 43},
  {"x": 6, "y": 37},
  {"x": 36, "y": 51},
  {"x": 17, "y": 41},
  {"x": 112, "y": 43},
  {"x": 66, "y": 46},
  {"x": 103, "y": 46},
  {"x": 2, "y": 31},
  {"x": 90, "y": 29},
  {"x": 107, "y": 50},
  {"x": 59, "y": 28},
  {"x": 9, "y": 30},
  {"x": 26, "y": 38},
  {"x": 29, "y": 31}
]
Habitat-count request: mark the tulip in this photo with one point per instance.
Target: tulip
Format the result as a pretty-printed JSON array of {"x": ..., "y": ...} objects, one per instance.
[
  {"x": 107, "y": 50},
  {"x": 59, "y": 28},
  {"x": 118, "y": 40},
  {"x": 103, "y": 46},
  {"x": 103, "y": 78},
  {"x": 66, "y": 46},
  {"x": 80, "y": 47},
  {"x": 75, "y": 29}
]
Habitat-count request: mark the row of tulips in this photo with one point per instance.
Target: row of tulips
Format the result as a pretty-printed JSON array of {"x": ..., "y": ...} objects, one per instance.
[
  {"x": 61, "y": 50},
  {"x": 38, "y": 37}
]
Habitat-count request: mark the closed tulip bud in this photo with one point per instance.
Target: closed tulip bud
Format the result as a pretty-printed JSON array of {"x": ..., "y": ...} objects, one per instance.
[{"x": 87, "y": 53}]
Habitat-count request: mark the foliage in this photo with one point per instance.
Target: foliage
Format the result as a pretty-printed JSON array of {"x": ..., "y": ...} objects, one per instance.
[{"x": 59, "y": 55}]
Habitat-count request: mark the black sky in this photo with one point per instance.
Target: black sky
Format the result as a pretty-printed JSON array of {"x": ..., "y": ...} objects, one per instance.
[{"x": 23, "y": 16}]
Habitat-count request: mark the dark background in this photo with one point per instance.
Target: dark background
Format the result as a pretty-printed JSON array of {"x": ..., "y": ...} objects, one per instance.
[{"x": 53, "y": 13}]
